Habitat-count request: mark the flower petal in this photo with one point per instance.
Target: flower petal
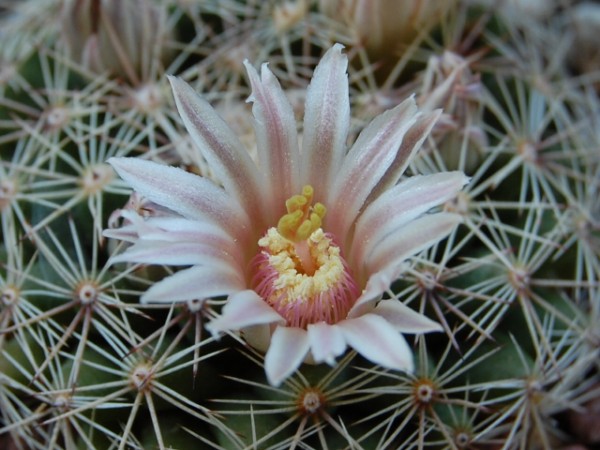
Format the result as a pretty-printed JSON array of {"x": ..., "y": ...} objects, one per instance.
[
  {"x": 276, "y": 138},
  {"x": 405, "y": 319},
  {"x": 187, "y": 194},
  {"x": 326, "y": 122},
  {"x": 377, "y": 284},
  {"x": 175, "y": 253},
  {"x": 326, "y": 342},
  {"x": 197, "y": 282},
  {"x": 377, "y": 340},
  {"x": 243, "y": 309},
  {"x": 386, "y": 262},
  {"x": 410, "y": 239},
  {"x": 127, "y": 233},
  {"x": 411, "y": 143},
  {"x": 401, "y": 204},
  {"x": 372, "y": 153},
  {"x": 288, "y": 349},
  {"x": 223, "y": 151},
  {"x": 179, "y": 231}
]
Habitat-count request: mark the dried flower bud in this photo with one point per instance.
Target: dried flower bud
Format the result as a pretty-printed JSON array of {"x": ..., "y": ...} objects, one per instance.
[
  {"x": 288, "y": 14},
  {"x": 449, "y": 84},
  {"x": 121, "y": 37},
  {"x": 585, "y": 24},
  {"x": 383, "y": 25}
]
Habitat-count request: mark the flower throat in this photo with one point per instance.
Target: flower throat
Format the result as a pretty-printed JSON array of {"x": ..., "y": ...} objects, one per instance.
[{"x": 300, "y": 271}]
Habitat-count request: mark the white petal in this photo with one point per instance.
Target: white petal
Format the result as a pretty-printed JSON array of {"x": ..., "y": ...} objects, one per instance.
[
  {"x": 276, "y": 138},
  {"x": 326, "y": 122},
  {"x": 288, "y": 348},
  {"x": 405, "y": 319},
  {"x": 223, "y": 151},
  {"x": 372, "y": 153},
  {"x": 179, "y": 230},
  {"x": 386, "y": 262},
  {"x": 410, "y": 239},
  {"x": 243, "y": 309},
  {"x": 401, "y": 204},
  {"x": 326, "y": 342},
  {"x": 376, "y": 285},
  {"x": 187, "y": 194},
  {"x": 126, "y": 233},
  {"x": 175, "y": 253},
  {"x": 197, "y": 282},
  {"x": 377, "y": 340},
  {"x": 411, "y": 143},
  {"x": 134, "y": 225}
]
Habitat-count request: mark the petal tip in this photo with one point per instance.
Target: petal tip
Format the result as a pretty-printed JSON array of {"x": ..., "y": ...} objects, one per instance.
[
  {"x": 338, "y": 47},
  {"x": 114, "y": 161},
  {"x": 214, "y": 329},
  {"x": 289, "y": 347}
]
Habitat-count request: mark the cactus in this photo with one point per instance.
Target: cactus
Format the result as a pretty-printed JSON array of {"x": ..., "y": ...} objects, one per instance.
[{"x": 91, "y": 358}]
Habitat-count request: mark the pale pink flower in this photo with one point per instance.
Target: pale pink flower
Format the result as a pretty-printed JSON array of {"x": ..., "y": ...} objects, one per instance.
[{"x": 303, "y": 242}]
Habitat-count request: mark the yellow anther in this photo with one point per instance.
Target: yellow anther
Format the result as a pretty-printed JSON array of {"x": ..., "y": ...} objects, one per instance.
[
  {"x": 289, "y": 223},
  {"x": 308, "y": 191},
  {"x": 320, "y": 210},
  {"x": 295, "y": 203},
  {"x": 315, "y": 221},
  {"x": 304, "y": 230},
  {"x": 302, "y": 219}
]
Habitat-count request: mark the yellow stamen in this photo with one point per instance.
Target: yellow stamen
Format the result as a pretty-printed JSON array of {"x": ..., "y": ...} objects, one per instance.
[{"x": 302, "y": 219}]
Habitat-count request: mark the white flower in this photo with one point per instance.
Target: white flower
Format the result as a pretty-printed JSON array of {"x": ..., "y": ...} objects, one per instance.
[{"x": 303, "y": 242}]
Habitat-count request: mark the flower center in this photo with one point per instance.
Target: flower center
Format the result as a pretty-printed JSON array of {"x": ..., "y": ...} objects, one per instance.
[{"x": 300, "y": 271}]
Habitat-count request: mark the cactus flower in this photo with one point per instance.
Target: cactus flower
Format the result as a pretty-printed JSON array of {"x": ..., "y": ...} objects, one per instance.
[{"x": 303, "y": 242}]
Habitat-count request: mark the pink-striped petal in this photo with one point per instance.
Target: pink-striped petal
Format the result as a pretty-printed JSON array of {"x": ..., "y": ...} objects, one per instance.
[
  {"x": 326, "y": 342},
  {"x": 411, "y": 143},
  {"x": 386, "y": 262},
  {"x": 372, "y": 153},
  {"x": 223, "y": 151},
  {"x": 378, "y": 341},
  {"x": 410, "y": 239},
  {"x": 181, "y": 230},
  {"x": 405, "y": 319},
  {"x": 197, "y": 282},
  {"x": 401, "y": 204},
  {"x": 288, "y": 349},
  {"x": 243, "y": 309},
  {"x": 127, "y": 233},
  {"x": 326, "y": 122},
  {"x": 377, "y": 284},
  {"x": 175, "y": 254},
  {"x": 276, "y": 138},
  {"x": 134, "y": 226},
  {"x": 187, "y": 194}
]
